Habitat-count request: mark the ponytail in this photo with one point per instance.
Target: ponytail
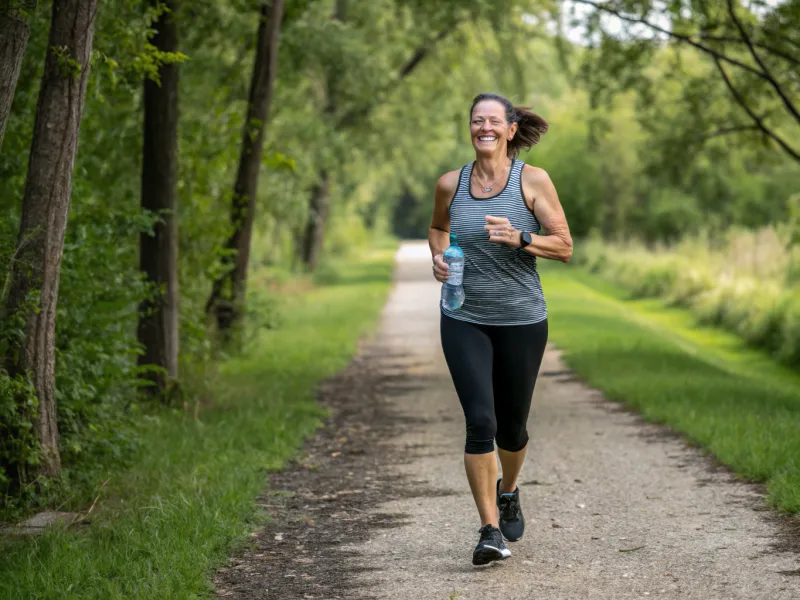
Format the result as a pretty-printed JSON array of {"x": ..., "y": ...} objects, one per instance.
[{"x": 530, "y": 126}]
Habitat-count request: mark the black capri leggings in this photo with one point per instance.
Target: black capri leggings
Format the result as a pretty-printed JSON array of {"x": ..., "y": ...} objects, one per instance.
[{"x": 494, "y": 371}]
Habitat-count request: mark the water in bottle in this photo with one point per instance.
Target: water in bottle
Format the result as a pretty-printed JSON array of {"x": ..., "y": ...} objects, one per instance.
[{"x": 452, "y": 289}]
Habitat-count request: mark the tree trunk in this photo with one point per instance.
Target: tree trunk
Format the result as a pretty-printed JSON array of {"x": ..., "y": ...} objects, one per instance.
[
  {"x": 34, "y": 276},
  {"x": 228, "y": 293},
  {"x": 315, "y": 221},
  {"x": 158, "y": 258},
  {"x": 14, "y": 33}
]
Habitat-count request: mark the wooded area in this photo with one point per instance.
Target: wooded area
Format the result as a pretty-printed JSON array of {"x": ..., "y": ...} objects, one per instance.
[{"x": 153, "y": 151}]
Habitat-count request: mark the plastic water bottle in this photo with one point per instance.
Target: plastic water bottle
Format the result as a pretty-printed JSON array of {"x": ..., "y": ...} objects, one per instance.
[{"x": 452, "y": 289}]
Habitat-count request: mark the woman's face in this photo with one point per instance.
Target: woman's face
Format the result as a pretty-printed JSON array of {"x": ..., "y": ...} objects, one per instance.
[{"x": 489, "y": 130}]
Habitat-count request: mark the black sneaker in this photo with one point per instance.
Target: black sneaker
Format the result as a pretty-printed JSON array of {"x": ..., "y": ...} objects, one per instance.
[
  {"x": 491, "y": 546},
  {"x": 512, "y": 523}
]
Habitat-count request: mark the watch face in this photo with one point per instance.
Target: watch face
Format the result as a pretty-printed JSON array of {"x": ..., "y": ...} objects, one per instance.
[{"x": 526, "y": 238}]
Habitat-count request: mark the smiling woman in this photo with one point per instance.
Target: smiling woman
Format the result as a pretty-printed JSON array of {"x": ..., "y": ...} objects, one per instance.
[{"x": 494, "y": 343}]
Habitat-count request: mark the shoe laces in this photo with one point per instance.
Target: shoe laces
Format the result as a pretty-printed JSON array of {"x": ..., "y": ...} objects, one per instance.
[
  {"x": 489, "y": 532},
  {"x": 509, "y": 507}
]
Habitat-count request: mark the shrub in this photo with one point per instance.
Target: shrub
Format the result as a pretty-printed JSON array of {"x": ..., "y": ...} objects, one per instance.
[{"x": 744, "y": 281}]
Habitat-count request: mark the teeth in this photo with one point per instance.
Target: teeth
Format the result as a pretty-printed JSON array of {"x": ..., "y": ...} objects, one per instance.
[{"x": 487, "y": 139}]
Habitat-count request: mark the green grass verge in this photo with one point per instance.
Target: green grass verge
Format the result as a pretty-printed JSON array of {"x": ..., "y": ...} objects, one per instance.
[
  {"x": 704, "y": 383},
  {"x": 162, "y": 526}
]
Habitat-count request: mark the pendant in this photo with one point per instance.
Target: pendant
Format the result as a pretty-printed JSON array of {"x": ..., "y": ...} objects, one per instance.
[{"x": 487, "y": 190}]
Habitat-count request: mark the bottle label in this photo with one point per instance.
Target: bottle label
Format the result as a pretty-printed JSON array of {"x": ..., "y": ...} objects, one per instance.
[{"x": 456, "y": 273}]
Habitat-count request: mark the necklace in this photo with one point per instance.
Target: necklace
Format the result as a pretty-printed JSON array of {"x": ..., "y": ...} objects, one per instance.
[{"x": 490, "y": 187}]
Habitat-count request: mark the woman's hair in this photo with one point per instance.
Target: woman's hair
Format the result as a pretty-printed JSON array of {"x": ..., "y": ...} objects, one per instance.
[{"x": 531, "y": 127}]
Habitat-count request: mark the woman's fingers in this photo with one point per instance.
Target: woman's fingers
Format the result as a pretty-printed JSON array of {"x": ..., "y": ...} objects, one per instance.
[
  {"x": 441, "y": 270},
  {"x": 500, "y": 233}
]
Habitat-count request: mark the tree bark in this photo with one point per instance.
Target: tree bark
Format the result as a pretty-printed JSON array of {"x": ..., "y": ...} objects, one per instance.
[
  {"x": 314, "y": 236},
  {"x": 34, "y": 276},
  {"x": 158, "y": 259},
  {"x": 14, "y": 33},
  {"x": 228, "y": 293}
]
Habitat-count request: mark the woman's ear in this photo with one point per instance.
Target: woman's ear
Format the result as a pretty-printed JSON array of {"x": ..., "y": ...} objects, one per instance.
[{"x": 512, "y": 131}]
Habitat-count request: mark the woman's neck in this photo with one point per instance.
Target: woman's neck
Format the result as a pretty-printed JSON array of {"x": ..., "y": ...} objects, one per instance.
[{"x": 491, "y": 166}]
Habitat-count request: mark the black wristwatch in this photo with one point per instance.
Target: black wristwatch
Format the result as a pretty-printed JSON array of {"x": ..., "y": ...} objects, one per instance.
[{"x": 524, "y": 239}]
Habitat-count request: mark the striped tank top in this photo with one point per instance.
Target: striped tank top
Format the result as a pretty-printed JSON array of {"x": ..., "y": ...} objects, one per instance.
[{"x": 501, "y": 284}]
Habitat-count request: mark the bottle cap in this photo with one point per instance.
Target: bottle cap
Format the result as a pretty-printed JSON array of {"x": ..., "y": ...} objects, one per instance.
[{"x": 453, "y": 238}]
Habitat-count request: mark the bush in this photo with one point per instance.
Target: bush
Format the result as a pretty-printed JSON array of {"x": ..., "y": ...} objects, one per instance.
[{"x": 745, "y": 282}]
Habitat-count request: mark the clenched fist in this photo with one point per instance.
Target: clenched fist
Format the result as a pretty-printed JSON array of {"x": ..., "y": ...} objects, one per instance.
[
  {"x": 501, "y": 231},
  {"x": 441, "y": 270}
]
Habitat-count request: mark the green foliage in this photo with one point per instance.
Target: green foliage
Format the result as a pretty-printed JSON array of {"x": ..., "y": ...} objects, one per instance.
[
  {"x": 100, "y": 287},
  {"x": 328, "y": 69},
  {"x": 18, "y": 442},
  {"x": 744, "y": 283},
  {"x": 68, "y": 67},
  {"x": 161, "y": 526},
  {"x": 632, "y": 151},
  {"x": 732, "y": 62}
]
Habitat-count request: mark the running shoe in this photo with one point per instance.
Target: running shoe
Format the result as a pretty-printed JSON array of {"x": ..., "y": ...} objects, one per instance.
[
  {"x": 512, "y": 523},
  {"x": 490, "y": 547}
]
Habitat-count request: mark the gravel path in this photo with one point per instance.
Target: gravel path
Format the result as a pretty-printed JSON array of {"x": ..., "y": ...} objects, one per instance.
[{"x": 615, "y": 508}]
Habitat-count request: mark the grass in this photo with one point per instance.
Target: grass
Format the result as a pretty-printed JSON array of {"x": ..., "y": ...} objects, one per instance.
[
  {"x": 734, "y": 401},
  {"x": 161, "y": 527},
  {"x": 747, "y": 282}
]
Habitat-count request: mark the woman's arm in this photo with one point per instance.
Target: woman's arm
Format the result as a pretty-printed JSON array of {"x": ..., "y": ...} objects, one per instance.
[
  {"x": 541, "y": 193},
  {"x": 439, "y": 232},
  {"x": 557, "y": 244}
]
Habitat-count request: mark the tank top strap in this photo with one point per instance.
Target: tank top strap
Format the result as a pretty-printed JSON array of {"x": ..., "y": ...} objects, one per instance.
[
  {"x": 463, "y": 181},
  {"x": 517, "y": 177}
]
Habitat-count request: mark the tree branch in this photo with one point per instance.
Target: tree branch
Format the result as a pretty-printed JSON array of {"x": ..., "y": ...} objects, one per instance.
[
  {"x": 758, "y": 121},
  {"x": 727, "y": 131},
  {"x": 420, "y": 54},
  {"x": 684, "y": 38},
  {"x": 770, "y": 79},
  {"x": 354, "y": 116},
  {"x": 771, "y": 49}
]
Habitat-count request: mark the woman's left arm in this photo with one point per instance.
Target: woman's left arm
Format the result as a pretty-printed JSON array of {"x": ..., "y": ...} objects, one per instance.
[{"x": 541, "y": 193}]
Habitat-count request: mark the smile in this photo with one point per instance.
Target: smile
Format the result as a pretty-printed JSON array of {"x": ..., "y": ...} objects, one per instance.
[{"x": 487, "y": 138}]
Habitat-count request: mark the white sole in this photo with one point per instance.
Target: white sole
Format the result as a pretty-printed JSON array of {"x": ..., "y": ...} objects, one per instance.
[{"x": 489, "y": 554}]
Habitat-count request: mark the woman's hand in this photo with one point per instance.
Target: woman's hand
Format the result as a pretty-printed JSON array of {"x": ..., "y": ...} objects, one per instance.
[
  {"x": 502, "y": 232},
  {"x": 441, "y": 270}
]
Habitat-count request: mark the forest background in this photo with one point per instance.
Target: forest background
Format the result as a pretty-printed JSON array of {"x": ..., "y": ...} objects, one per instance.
[{"x": 156, "y": 156}]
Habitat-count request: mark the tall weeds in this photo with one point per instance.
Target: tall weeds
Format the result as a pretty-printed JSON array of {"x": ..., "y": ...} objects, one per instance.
[{"x": 745, "y": 281}]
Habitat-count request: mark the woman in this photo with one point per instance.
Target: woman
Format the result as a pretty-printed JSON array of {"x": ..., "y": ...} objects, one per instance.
[{"x": 494, "y": 343}]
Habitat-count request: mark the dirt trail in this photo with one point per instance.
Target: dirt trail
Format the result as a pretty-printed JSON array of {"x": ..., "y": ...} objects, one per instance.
[{"x": 379, "y": 507}]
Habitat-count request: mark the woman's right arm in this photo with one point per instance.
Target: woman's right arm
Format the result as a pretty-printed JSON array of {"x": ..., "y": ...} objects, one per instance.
[{"x": 439, "y": 232}]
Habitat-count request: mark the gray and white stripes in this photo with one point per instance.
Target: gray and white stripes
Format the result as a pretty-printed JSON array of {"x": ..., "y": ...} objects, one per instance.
[{"x": 501, "y": 284}]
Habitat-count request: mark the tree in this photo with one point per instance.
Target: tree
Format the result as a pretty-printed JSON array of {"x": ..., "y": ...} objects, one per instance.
[
  {"x": 754, "y": 49},
  {"x": 354, "y": 115},
  {"x": 34, "y": 276},
  {"x": 157, "y": 330},
  {"x": 228, "y": 291},
  {"x": 14, "y": 33}
]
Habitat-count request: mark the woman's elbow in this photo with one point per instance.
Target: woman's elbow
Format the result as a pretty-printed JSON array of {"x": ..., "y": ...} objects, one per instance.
[{"x": 566, "y": 254}]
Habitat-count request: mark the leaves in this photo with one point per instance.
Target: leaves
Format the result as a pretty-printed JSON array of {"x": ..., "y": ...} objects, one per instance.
[{"x": 754, "y": 52}]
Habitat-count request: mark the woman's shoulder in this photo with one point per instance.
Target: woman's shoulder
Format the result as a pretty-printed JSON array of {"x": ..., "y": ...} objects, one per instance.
[
  {"x": 533, "y": 175},
  {"x": 448, "y": 183}
]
